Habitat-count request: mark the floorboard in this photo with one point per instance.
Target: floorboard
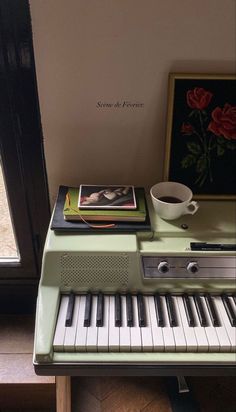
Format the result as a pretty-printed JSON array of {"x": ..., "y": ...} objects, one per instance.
[
  {"x": 20, "y": 387},
  {"x": 150, "y": 394}
]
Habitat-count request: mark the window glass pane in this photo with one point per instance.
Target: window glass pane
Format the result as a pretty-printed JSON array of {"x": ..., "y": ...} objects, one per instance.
[{"x": 8, "y": 247}]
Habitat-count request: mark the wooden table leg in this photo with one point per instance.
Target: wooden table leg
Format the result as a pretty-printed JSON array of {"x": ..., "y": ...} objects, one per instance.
[{"x": 63, "y": 393}]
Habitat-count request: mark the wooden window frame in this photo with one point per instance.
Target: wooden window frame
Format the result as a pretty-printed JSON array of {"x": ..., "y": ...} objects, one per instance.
[{"x": 22, "y": 154}]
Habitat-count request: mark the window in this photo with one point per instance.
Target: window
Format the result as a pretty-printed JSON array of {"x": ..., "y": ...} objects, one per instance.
[
  {"x": 8, "y": 247},
  {"x": 22, "y": 157}
]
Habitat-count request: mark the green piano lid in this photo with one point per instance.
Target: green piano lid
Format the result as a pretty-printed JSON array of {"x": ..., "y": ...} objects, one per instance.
[{"x": 214, "y": 218}]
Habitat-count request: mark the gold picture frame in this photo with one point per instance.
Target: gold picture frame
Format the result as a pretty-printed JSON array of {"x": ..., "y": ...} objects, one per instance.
[{"x": 201, "y": 134}]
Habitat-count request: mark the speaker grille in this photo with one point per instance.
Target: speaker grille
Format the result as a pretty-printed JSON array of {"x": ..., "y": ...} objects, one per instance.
[{"x": 94, "y": 270}]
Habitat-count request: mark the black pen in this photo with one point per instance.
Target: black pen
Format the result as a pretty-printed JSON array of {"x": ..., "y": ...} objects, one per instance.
[{"x": 212, "y": 246}]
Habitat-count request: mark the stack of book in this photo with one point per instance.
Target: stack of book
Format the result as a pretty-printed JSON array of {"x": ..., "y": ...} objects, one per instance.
[{"x": 105, "y": 204}]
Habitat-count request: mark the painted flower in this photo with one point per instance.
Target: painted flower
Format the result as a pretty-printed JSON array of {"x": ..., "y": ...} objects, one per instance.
[
  {"x": 187, "y": 128},
  {"x": 224, "y": 122},
  {"x": 198, "y": 98}
]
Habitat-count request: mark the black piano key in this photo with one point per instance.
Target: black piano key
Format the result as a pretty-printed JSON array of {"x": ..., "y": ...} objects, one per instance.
[
  {"x": 70, "y": 309},
  {"x": 234, "y": 297},
  {"x": 129, "y": 310},
  {"x": 117, "y": 310},
  {"x": 159, "y": 310},
  {"x": 229, "y": 309},
  {"x": 171, "y": 310},
  {"x": 141, "y": 311},
  {"x": 200, "y": 310},
  {"x": 188, "y": 310},
  {"x": 88, "y": 308},
  {"x": 100, "y": 309},
  {"x": 212, "y": 310}
]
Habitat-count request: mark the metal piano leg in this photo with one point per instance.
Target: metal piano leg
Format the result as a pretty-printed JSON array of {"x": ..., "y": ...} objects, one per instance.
[
  {"x": 180, "y": 396},
  {"x": 182, "y": 384}
]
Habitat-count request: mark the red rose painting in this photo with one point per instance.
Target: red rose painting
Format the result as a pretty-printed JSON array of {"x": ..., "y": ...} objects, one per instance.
[
  {"x": 198, "y": 98},
  {"x": 201, "y": 140},
  {"x": 224, "y": 122}
]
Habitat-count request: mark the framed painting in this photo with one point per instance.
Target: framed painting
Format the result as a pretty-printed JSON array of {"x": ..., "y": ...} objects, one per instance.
[{"x": 201, "y": 134}]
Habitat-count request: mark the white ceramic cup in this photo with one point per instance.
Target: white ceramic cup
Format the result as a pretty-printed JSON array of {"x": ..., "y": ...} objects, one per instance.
[{"x": 172, "y": 200}]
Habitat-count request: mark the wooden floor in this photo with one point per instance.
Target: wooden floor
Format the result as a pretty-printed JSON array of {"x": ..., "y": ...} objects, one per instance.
[
  {"x": 20, "y": 387},
  {"x": 119, "y": 395},
  {"x": 212, "y": 394},
  {"x": 145, "y": 394},
  {"x": 26, "y": 410}
]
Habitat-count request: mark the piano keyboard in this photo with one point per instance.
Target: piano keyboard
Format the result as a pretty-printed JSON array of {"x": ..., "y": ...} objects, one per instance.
[{"x": 146, "y": 323}]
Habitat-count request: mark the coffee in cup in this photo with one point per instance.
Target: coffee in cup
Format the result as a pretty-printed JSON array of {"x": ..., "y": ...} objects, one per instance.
[{"x": 172, "y": 200}]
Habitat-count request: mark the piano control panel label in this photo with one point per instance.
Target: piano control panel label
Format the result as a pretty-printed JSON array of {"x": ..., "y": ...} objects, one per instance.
[{"x": 188, "y": 267}]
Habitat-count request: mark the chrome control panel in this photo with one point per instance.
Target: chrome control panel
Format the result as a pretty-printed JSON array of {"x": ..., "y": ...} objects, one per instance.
[{"x": 189, "y": 267}]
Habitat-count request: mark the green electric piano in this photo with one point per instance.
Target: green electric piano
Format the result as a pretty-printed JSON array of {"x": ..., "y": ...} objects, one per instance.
[{"x": 161, "y": 302}]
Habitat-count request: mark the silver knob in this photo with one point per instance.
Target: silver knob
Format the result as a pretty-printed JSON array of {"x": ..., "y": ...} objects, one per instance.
[
  {"x": 163, "y": 267},
  {"x": 192, "y": 267}
]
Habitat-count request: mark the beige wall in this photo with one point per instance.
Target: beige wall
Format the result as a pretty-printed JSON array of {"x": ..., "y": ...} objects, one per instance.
[{"x": 114, "y": 51}]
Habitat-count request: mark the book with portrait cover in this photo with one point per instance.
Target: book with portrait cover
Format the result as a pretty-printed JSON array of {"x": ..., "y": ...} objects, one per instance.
[
  {"x": 107, "y": 197},
  {"x": 72, "y": 212},
  {"x": 61, "y": 226}
]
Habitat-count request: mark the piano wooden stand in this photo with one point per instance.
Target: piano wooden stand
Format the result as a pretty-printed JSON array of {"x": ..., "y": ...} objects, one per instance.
[{"x": 63, "y": 393}]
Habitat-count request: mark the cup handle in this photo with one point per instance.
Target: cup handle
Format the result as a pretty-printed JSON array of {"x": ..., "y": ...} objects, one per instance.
[{"x": 192, "y": 208}]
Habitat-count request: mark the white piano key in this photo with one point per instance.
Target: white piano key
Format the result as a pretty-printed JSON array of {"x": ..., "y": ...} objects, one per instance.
[
  {"x": 135, "y": 332},
  {"x": 92, "y": 333},
  {"x": 70, "y": 333},
  {"x": 189, "y": 333},
  {"x": 202, "y": 342},
  {"x": 146, "y": 331},
  {"x": 180, "y": 341},
  {"x": 124, "y": 329},
  {"x": 224, "y": 342},
  {"x": 230, "y": 330},
  {"x": 168, "y": 336},
  {"x": 157, "y": 331},
  {"x": 59, "y": 335},
  {"x": 103, "y": 331},
  {"x": 81, "y": 332},
  {"x": 214, "y": 345},
  {"x": 114, "y": 331}
]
